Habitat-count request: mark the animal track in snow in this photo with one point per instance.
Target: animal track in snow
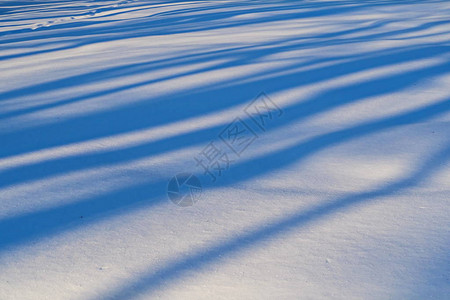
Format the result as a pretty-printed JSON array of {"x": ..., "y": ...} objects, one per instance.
[{"x": 89, "y": 14}]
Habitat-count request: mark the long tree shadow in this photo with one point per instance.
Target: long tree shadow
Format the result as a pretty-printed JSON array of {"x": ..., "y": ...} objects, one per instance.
[
  {"x": 150, "y": 114},
  {"x": 240, "y": 55},
  {"x": 46, "y": 223},
  {"x": 71, "y": 127},
  {"x": 209, "y": 17},
  {"x": 50, "y": 222},
  {"x": 178, "y": 268},
  {"x": 325, "y": 101},
  {"x": 234, "y": 57}
]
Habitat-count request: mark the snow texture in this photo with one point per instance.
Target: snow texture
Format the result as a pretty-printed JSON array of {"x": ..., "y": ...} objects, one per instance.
[{"x": 342, "y": 193}]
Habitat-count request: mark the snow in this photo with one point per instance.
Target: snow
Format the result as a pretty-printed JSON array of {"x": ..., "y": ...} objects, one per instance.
[{"x": 343, "y": 195}]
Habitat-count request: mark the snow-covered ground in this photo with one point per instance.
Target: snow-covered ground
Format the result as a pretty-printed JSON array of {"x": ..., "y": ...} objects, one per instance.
[{"x": 344, "y": 193}]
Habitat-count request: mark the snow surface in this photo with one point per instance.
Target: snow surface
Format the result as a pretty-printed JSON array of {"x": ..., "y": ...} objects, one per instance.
[{"x": 345, "y": 195}]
